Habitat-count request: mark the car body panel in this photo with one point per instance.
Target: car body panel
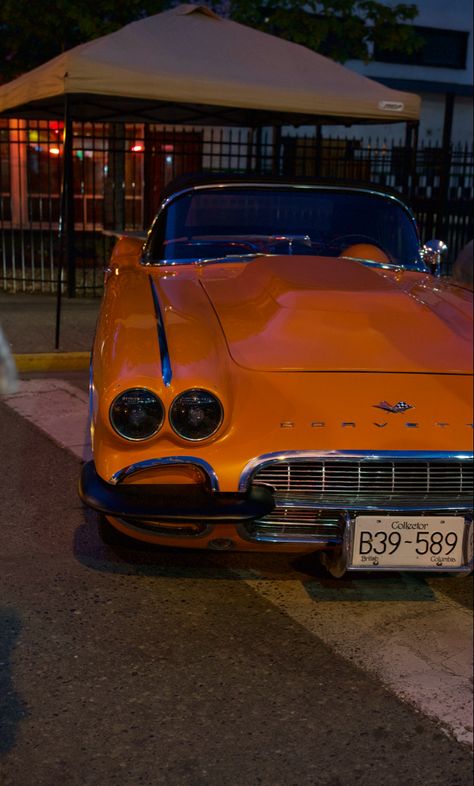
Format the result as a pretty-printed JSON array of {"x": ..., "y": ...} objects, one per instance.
[{"x": 337, "y": 315}]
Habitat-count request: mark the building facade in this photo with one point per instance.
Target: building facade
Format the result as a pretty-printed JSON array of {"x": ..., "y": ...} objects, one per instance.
[{"x": 441, "y": 71}]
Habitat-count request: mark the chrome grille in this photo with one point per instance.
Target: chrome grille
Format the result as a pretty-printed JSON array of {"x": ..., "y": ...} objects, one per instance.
[
  {"x": 369, "y": 480},
  {"x": 297, "y": 525}
]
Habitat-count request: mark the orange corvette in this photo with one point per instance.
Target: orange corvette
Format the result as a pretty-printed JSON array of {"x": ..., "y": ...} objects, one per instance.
[{"x": 279, "y": 367}]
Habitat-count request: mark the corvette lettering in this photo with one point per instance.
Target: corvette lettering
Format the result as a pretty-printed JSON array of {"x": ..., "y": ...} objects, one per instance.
[{"x": 375, "y": 423}]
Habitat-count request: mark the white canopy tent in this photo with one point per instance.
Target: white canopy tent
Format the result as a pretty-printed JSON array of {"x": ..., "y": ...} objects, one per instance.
[{"x": 188, "y": 65}]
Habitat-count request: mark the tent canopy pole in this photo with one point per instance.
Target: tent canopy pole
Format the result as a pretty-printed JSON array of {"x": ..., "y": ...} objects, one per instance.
[{"x": 66, "y": 221}]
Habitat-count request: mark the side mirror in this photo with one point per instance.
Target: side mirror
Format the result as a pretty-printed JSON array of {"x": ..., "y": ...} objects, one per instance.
[{"x": 433, "y": 253}]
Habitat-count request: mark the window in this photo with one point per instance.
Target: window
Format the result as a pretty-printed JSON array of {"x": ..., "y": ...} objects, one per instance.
[
  {"x": 440, "y": 49},
  {"x": 231, "y": 221}
]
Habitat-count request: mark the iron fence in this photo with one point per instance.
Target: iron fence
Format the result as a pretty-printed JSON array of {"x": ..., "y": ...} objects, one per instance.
[{"x": 120, "y": 170}]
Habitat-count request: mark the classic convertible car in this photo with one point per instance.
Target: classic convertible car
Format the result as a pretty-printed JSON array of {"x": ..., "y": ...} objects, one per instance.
[{"x": 278, "y": 367}]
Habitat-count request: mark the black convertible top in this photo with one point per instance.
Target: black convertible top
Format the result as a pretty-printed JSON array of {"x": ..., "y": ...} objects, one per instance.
[{"x": 184, "y": 182}]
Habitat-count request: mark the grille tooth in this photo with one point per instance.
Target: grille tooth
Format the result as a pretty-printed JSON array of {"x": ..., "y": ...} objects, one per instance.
[{"x": 376, "y": 481}]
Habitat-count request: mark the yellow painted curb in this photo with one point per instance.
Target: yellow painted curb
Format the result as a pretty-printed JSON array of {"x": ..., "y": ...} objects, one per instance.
[{"x": 53, "y": 361}]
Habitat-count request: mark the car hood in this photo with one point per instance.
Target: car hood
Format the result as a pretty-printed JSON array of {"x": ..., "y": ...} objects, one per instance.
[{"x": 325, "y": 314}]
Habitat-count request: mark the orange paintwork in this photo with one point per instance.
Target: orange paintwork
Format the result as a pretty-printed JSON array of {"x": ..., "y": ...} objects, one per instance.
[{"x": 263, "y": 335}]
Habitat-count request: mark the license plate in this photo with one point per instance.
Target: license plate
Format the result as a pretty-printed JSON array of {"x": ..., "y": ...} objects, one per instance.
[{"x": 429, "y": 542}]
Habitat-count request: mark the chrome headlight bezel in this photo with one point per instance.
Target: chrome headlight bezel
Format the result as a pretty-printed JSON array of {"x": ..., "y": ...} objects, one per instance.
[
  {"x": 194, "y": 392},
  {"x": 159, "y": 420}
]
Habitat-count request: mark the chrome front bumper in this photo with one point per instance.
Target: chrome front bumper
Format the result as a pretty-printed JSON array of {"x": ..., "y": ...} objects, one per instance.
[
  {"x": 151, "y": 502},
  {"x": 260, "y": 513}
]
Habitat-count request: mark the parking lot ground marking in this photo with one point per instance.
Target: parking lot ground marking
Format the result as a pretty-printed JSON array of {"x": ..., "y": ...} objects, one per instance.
[
  {"x": 57, "y": 408},
  {"x": 417, "y": 641}
]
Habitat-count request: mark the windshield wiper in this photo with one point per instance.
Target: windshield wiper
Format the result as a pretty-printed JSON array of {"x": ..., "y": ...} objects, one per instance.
[{"x": 232, "y": 258}]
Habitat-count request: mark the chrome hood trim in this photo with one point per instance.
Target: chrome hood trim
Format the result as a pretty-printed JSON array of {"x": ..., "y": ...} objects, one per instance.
[{"x": 166, "y": 371}]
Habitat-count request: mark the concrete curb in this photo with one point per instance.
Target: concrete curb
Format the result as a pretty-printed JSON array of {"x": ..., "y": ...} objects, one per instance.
[{"x": 52, "y": 361}]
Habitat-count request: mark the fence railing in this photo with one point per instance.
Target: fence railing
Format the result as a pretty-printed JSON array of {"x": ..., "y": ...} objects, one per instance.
[{"x": 120, "y": 169}]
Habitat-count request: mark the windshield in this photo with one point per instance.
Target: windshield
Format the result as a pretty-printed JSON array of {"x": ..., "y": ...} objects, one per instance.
[{"x": 225, "y": 223}]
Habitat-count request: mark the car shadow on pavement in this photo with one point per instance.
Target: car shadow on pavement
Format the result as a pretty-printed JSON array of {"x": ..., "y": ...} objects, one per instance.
[
  {"x": 387, "y": 587},
  {"x": 12, "y": 708},
  {"x": 148, "y": 560}
]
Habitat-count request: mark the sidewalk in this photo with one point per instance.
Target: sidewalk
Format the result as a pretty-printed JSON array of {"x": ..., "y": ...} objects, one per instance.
[{"x": 29, "y": 325}]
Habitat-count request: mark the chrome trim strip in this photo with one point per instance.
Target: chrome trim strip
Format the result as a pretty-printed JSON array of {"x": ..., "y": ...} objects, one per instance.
[
  {"x": 148, "y": 529},
  {"x": 166, "y": 371},
  {"x": 121, "y": 474},
  {"x": 377, "y": 506},
  {"x": 296, "y": 186},
  {"x": 261, "y": 537},
  {"x": 91, "y": 392},
  {"x": 369, "y": 455}
]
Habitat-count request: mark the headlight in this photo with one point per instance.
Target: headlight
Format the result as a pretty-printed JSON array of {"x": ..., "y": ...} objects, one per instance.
[
  {"x": 137, "y": 414},
  {"x": 196, "y": 414}
]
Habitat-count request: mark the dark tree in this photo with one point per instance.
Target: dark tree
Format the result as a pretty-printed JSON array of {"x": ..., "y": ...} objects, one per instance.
[
  {"x": 339, "y": 29},
  {"x": 31, "y": 34}
]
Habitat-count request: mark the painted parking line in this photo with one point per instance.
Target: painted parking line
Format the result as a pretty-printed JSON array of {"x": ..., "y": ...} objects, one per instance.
[
  {"x": 57, "y": 408},
  {"x": 416, "y": 641},
  {"x": 412, "y": 638}
]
